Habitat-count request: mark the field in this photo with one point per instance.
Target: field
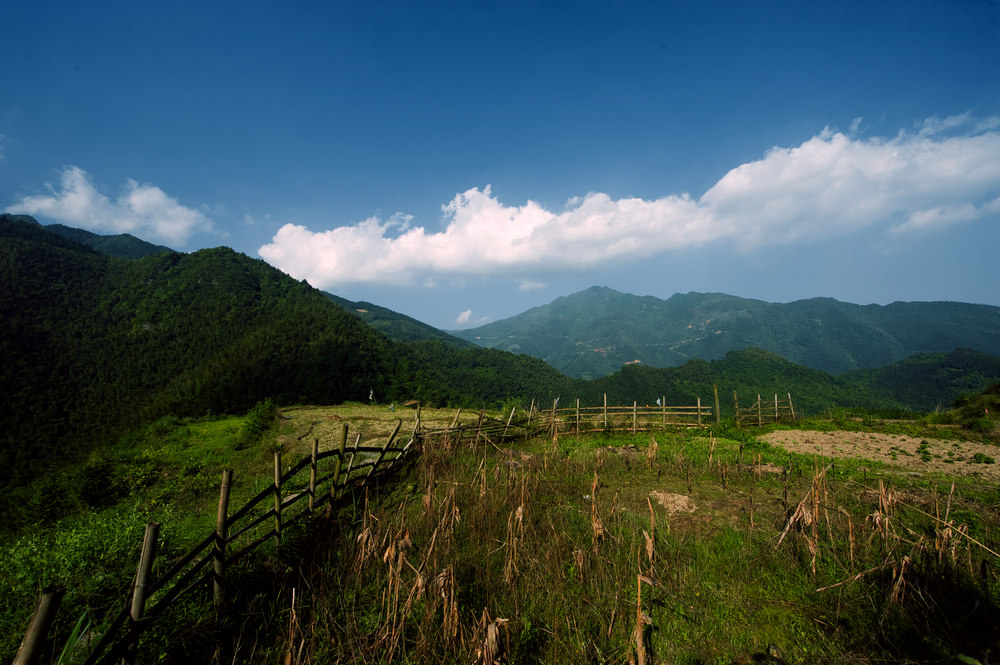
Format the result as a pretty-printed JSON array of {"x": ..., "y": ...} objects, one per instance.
[{"x": 776, "y": 545}]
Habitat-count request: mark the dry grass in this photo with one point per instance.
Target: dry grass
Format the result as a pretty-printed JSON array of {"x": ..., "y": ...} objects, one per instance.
[{"x": 640, "y": 549}]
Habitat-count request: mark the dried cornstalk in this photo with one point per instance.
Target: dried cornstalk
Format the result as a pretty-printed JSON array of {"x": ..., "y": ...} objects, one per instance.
[
  {"x": 515, "y": 524},
  {"x": 490, "y": 650},
  {"x": 641, "y": 621},
  {"x": 447, "y": 588},
  {"x": 649, "y": 546},
  {"x": 896, "y": 596},
  {"x": 596, "y": 524}
]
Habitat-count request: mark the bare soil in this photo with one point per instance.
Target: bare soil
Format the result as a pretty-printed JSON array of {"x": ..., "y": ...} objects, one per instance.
[{"x": 923, "y": 455}]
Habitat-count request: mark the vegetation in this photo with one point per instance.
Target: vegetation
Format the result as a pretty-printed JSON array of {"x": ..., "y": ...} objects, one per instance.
[
  {"x": 594, "y": 332},
  {"x": 131, "y": 383},
  {"x": 677, "y": 546}
]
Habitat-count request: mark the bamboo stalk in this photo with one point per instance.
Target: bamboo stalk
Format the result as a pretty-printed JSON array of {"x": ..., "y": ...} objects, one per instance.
[
  {"x": 30, "y": 650},
  {"x": 138, "y": 606},
  {"x": 220, "y": 537},
  {"x": 312, "y": 476},
  {"x": 277, "y": 498}
]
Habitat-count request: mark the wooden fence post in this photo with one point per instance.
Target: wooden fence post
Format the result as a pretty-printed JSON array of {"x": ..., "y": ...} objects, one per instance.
[
  {"x": 277, "y": 497},
  {"x": 509, "y": 419},
  {"x": 635, "y": 416},
  {"x": 312, "y": 476},
  {"x": 527, "y": 427},
  {"x": 775, "y": 407},
  {"x": 718, "y": 413},
  {"x": 221, "y": 532},
  {"x": 759, "y": 416},
  {"x": 790, "y": 407},
  {"x": 605, "y": 410},
  {"x": 38, "y": 629},
  {"x": 381, "y": 455},
  {"x": 699, "y": 412},
  {"x": 141, "y": 581},
  {"x": 338, "y": 463},
  {"x": 663, "y": 405},
  {"x": 736, "y": 409},
  {"x": 578, "y": 416}
]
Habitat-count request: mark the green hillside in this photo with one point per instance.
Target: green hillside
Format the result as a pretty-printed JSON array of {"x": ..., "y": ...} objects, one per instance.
[
  {"x": 94, "y": 346},
  {"x": 594, "y": 332},
  {"x": 396, "y": 326}
]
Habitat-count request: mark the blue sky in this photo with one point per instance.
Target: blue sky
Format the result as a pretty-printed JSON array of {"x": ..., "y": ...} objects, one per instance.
[{"x": 463, "y": 162}]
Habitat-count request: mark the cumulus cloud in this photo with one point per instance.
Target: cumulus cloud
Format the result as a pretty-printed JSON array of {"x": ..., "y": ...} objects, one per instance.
[
  {"x": 531, "y": 285},
  {"x": 464, "y": 317},
  {"x": 141, "y": 209},
  {"x": 831, "y": 185}
]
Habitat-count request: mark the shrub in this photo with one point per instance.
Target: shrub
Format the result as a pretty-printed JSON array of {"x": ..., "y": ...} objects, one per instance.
[{"x": 259, "y": 420}]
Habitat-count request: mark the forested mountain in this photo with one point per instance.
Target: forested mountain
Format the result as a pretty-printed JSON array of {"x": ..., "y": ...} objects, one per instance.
[
  {"x": 122, "y": 245},
  {"x": 396, "y": 326},
  {"x": 93, "y": 345},
  {"x": 594, "y": 332}
]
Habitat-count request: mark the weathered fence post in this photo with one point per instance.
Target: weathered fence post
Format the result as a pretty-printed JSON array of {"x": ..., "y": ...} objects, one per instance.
[
  {"x": 605, "y": 410},
  {"x": 635, "y": 416},
  {"x": 736, "y": 409},
  {"x": 555, "y": 403},
  {"x": 381, "y": 455},
  {"x": 791, "y": 409},
  {"x": 775, "y": 407},
  {"x": 509, "y": 419},
  {"x": 479, "y": 426},
  {"x": 578, "y": 416},
  {"x": 759, "y": 416},
  {"x": 663, "y": 405},
  {"x": 527, "y": 427},
  {"x": 338, "y": 463},
  {"x": 277, "y": 497},
  {"x": 312, "y": 476},
  {"x": 31, "y": 646},
  {"x": 139, "y": 594},
  {"x": 718, "y": 413},
  {"x": 221, "y": 533},
  {"x": 699, "y": 412}
]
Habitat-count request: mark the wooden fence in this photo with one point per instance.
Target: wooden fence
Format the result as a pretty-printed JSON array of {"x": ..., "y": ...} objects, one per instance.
[
  {"x": 635, "y": 418},
  {"x": 763, "y": 410},
  {"x": 296, "y": 493}
]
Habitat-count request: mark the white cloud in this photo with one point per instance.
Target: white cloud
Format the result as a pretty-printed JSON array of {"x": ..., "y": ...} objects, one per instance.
[
  {"x": 142, "y": 209},
  {"x": 531, "y": 285},
  {"x": 464, "y": 317},
  {"x": 831, "y": 185}
]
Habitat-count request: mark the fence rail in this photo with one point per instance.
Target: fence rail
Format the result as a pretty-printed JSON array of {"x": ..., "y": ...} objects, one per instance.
[{"x": 582, "y": 419}]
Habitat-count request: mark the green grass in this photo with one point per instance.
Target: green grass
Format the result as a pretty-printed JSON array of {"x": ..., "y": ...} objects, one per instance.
[{"x": 405, "y": 571}]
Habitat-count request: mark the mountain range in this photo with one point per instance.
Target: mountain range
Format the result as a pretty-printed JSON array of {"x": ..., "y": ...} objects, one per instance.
[
  {"x": 594, "y": 332},
  {"x": 101, "y": 336}
]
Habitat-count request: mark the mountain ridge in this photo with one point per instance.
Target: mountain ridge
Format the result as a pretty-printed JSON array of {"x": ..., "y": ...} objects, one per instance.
[{"x": 593, "y": 332}]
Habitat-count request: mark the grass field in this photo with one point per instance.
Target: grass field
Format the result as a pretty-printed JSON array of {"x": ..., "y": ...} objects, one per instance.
[{"x": 697, "y": 546}]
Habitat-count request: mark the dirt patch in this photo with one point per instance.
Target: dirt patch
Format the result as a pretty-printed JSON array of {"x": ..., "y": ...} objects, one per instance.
[
  {"x": 964, "y": 458},
  {"x": 674, "y": 503}
]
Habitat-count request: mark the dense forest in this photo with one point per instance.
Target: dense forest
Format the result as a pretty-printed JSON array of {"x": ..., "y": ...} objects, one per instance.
[
  {"x": 94, "y": 345},
  {"x": 594, "y": 332}
]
